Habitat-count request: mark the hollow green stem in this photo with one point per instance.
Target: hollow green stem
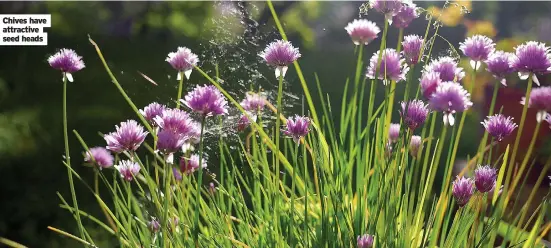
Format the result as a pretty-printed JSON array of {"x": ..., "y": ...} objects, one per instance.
[
  {"x": 198, "y": 186},
  {"x": 521, "y": 123},
  {"x": 180, "y": 88},
  {"x": 68, "y": 158},
  {"x": 490, "y": 112}
]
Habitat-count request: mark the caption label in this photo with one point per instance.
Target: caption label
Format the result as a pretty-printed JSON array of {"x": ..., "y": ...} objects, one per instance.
[{"x": 24, "y": 30}]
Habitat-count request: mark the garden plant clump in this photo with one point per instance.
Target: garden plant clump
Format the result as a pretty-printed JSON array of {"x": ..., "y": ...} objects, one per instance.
[{"x": 311, "y": 180}]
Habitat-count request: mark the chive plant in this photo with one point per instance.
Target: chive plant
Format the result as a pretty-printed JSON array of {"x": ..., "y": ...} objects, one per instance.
[{"x": 371, "y": 183}]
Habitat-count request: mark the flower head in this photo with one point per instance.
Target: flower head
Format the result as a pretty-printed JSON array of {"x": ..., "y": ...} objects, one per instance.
[
  {"x": 183, "y": 60},
  {"x": 532, "y": 57},
  {"x": 191, "y": 164},
  {"x": 169, "y": 141},
  {"x": 128, "y": 169},
  {"x": 154, "y": 225},
  {"x": 447, "y": 69},
  {"x": 415, "y": 144},
  {"x": 365, "y": 241},
  {"x": 485, "y": 178},
  {"x": 391, "y": 67},
  {"x": 212, "y": 188},
  {"x": 414, "y": 113},
  {"x": 405, "y": 15},
  {"x": 362, "y": 31},
  {"x": 178, "y": 121},
  {"x": 67, "y": 61},
  {"x": 463, "y": 189},
  {"x": 450, "y": 97},
  {"x": 280, "y": 54},
  {"x": 477, "y": 48},
  {"x": 243, "y": 122},
  {"x": 540, "y": 99},
  {"x": 387, "y": 7},
  {"x": 206, "y": 100},
  {"x": 499, "y": 65},
  {"x": 394, "y": 132},
  {"x": 152, "y": 110},
  {"x": 253, "y": 102},
  {"x": 429, "y": 82},
  {"x": 297, "y": 127},
  {"x": 177, "y": 174},
  {"x": 100, "y": 156},
  {"x": 412, "y": 48},
  {"x": 499, "y": 126},
  {"x": 127, "y": 137}
]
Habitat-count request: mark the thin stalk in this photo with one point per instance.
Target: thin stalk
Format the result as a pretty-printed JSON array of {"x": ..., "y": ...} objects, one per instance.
[
  {"x": 167, "y": 176},
  {"x": 198, "y": 186},
  {"x": 180, "y": 88},
  {"x": 521, "y": 124},
  {"x": 304, "y": 160},
  {"x": 460, "y": 129},
  {"x": 490, "y": 112},
  {"x": 68, "y": 158},
  {"x": 374, "y": 81},
  {"x": 277, "y": 147},
  {"x": 292, "y": 212},
  {"x": 393, "y": 83}
]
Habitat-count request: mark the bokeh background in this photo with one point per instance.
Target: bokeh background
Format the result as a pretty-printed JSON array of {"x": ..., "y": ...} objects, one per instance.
[{"x": 136, "y": 37}]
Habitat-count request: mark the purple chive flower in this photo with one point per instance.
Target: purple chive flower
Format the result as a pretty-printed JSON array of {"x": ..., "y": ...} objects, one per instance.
[
  {"x": 485, "y": 178},
  {"x": 450, "y": 97},
  {"x": 178, "y": 121},
  {"x": 412, "y": 48},
  {"x": 67, "y": 61},
  {"x": 100, "y": 156},
  {"x": 154, "y": 225},
  {"x": 499, "y": 65},
  {"x": 280, "y": 54},
  {"x": 415, "y": 144},
  {"x": 540, "y": 99},
  {"x": 532, "y": 58},
  {"x": 499, "y": 126},
  {"x": 183, "y": 60},
  {"x": 191, "y": 164},
  {"x": 152, "y": 110},
  {"x": 253, "y": 102},
  {"x": 463, "y": 189},
  {"x": 243, "y": 123},
  {"x": 448, "y": 69},
  {"x": 169, "y": 141},
  {"x": 391, "y": 67},
  {"x": 387, "y": 7},
  {"x": 212, "y": 188},
  {"x": 414, "y": 113},
  {"x": 206, "y": 100},
  {"x": 128, "y": 169},
  {"x": 477, "y": 48},
  {"x": 362, "y": 31},
  {"x": 394, "y": 132},
  {"x": 297, "y": 127},
  {"x": 405, "y": 15},
  {"x": 429, "y": 82},
  {"x": 127, "y": 137},
  {"x": 365, "y": 241},
  {"x": 177, "y": 174}
]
